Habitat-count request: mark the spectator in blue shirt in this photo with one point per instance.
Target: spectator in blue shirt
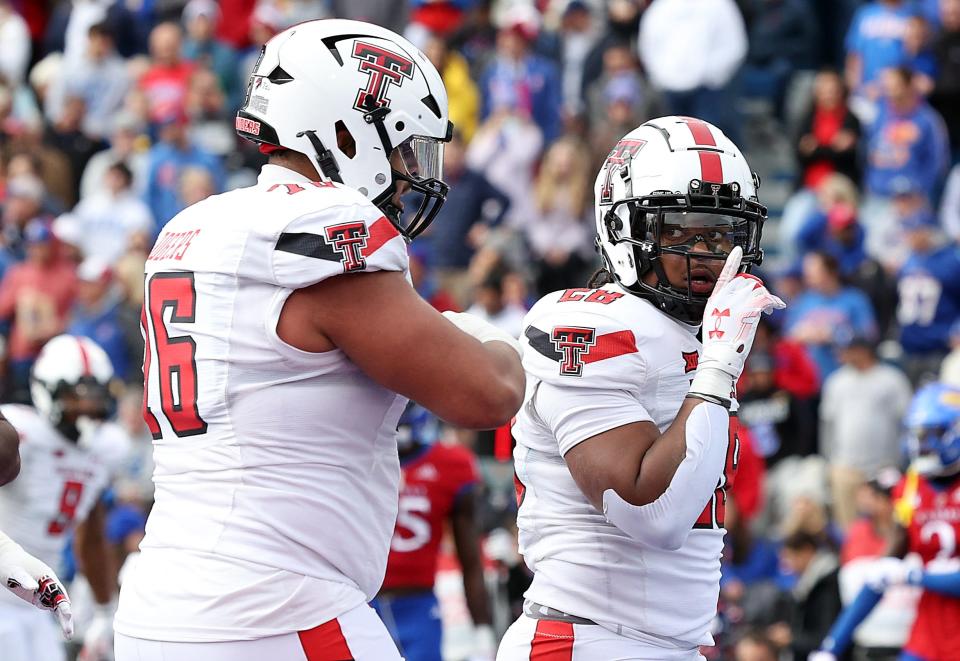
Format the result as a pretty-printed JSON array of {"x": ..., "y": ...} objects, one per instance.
[
  {"x": 907, "y": 141},
  {"x": 200, "y": 18},
  {"x": 929, "y": 294},
  {"x": 828, "y": 313},
  {"x": 531, "y": 82},
  {"x": 100, "y": 78},
  {"x": 930, "y": 10},
  {"x": 95, "y": 313},
  {"x": 875, "y": 42},
  {"x": 918, "y": 55},
  {"x": 166, "y": 162},
  {"x": 783, "y": 39},
  {"x": 473, "y": 206},
  {"x": 837, "y": 232}
]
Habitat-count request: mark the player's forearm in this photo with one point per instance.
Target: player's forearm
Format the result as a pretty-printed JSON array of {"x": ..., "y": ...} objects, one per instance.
[
  {"x": 96, "y": 559},
  {"x": 506, "y": 390},
  {"x": 478, "y": 601},
  {"x": 945, "y": 584},
  {"x": 9, "y": 452},
  {"x": 466, "y": 539},
  {"x": 659, "y": 464},
  {"x": 667, "y": 521},
  {"x": 841, "y": 634}
]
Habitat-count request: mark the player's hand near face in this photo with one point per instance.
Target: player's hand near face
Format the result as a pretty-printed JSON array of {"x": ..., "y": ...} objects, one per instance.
[
  {"x": 729, "y": 327},
  {"x": 34, "y": 582}
]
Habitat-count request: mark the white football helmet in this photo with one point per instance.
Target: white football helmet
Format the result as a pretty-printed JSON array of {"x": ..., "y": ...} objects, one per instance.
[
  {"x": 70, "y": 383},
  {"x": 318, "y": 77},
  {"x": 668, "y": 186}
]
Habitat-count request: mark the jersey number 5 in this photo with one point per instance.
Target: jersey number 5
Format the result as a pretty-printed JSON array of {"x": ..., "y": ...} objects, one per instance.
[
  {"x": 412, "y": 518},
  {"x": 176, "y": 356}
]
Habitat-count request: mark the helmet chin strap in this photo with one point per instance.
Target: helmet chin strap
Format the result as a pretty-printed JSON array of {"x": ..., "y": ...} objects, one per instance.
[
  {"x": 385, "y": 199},
  {"x": 68, "y": 429},
  {"x": 325, "y": 159}
]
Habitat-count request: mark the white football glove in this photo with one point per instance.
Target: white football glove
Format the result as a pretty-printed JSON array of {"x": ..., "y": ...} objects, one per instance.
[
  {"x": 34, "y": 582},
  {"x": 482, "y": 330},
  {"x": 886, "y": 572},
  {"x": 484, "y": 644},
  {"x": 729, "y": 326},
  {"x": 98, "y": 640},
  {"x": 820, "y": 655}
]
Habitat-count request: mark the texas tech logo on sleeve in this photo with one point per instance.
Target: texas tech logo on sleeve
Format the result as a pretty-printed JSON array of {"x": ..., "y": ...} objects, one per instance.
[
  {"x": 572, "y": 342},
  {"x": 384, "y": 69},
  {"x": 616, "y": 159},
  {"x": 349, "y": 239}
]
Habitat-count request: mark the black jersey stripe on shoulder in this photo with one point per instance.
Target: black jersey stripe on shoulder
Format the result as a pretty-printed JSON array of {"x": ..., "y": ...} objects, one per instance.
[
  {"x": 307, "y": 245},
  {"x": 541, "y": 341}
]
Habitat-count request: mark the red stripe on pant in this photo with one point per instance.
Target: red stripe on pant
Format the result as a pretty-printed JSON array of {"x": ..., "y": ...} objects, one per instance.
[
  {"x": 552, "y": 641},
  {"x": 325, "y": 643}
]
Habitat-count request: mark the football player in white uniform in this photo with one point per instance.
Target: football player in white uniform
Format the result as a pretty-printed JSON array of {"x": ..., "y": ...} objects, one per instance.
[
  {"x": 624, "y": 450},
  {"x": 68, "y": 457},
  {"x": 283, "y": 338},
  {"x": 21, "y": 573}
]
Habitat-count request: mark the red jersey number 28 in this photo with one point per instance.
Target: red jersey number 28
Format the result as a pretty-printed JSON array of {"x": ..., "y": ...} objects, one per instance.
[
  {"x": 714, "y": 514},
  {"x": 176, "y": 356}
]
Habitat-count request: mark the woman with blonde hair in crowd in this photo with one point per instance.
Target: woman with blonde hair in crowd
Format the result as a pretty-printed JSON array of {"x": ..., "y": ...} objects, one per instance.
[{"x": 558, "y": 228}]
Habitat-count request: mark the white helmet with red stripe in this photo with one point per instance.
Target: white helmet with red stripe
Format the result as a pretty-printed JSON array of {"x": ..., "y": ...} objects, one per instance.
[
  {"x": 323, "y": 82},
  {"x": 70, "y": 383},
  {"x": 675, "y": 186}
]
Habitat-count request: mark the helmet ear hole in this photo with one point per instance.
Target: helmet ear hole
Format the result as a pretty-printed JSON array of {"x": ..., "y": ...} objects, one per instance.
[
  {"x": 278, "y": 76},
  {"x": 345, "y": 142}
]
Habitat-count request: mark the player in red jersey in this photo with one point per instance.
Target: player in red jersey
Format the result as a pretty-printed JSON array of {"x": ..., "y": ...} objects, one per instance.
[
  {"x": 927, "y": 507},
  {"x": 436, "y": 487}
]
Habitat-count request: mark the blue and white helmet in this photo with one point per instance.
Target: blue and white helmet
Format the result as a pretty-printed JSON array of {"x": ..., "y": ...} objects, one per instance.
[
  {"x": 417, "y": 427},
  {"x": 933, "y": 428}
]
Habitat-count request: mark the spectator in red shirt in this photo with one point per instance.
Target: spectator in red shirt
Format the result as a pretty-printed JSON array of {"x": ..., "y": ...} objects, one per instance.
[
  {"x": 425, "y": 281},
  {"x": 747, "y": 489},
  {"x": 869, "y": 535},
  {"x": 829, "y": 136},
  {"x": 165, "y": 82},
  {"x": 234, "y": 26},
  {"x": 35, "y": 297},
  {"x": 777, "y": 396},
  {"x": 794, "y": 370}
]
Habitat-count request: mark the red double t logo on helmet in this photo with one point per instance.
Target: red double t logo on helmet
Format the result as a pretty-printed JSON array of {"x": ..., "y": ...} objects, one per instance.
[
  {"x": 618, "y": 157},
  {"x": 572, "y": 342},
  {"x": 349, "y": 239},
  {"x": 385, "y": 68},
  {"x": 718, "y": 316}
]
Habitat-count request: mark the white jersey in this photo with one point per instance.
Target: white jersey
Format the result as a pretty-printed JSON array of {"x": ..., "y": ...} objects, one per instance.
[
  {"x": 276, "y": 469},
  {"x": 596, "y": 360},
  {"x": 59, "y": 481}
]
